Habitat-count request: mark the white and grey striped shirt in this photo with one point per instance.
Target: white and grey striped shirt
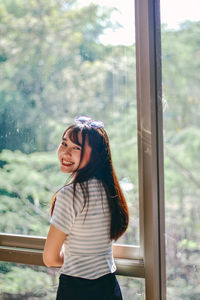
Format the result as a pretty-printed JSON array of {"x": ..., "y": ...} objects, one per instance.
[{"x": 87, "y": 247}]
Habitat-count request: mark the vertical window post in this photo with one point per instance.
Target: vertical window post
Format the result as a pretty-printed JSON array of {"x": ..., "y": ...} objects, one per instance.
[{"x": 150, "y": 145}]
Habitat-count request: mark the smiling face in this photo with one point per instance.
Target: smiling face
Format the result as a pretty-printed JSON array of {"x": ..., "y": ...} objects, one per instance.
[{"x": 69, "y": 154}]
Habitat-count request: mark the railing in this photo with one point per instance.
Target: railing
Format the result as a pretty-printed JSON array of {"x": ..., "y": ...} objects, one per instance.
[{"x": 29, "y": 249}]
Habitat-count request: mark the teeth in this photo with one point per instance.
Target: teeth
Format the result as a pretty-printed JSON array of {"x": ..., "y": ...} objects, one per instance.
[{"x": 67, "y": 163}]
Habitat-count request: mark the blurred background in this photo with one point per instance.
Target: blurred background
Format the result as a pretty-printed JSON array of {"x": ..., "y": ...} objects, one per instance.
[{"x": 60, "y": 59}]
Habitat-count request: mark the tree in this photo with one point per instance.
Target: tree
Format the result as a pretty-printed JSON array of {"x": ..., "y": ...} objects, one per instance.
[
  {"x": 43, "y": 61},
  {"x": 54, "y": 69},
  {"x": 181, "y": 61}
]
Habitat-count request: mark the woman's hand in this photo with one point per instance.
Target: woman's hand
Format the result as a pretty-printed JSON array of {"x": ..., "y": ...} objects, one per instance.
[{"x": 53, "y": 255}]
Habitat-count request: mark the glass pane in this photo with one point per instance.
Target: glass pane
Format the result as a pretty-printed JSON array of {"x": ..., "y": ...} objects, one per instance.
[
  {"x": 60, "y": 59},
  {"x": 181, "y": 90},
  {"x": 132, "y": 288},
  {"x": 30, "y": 282},
  {"x": 27, "y": 282}
]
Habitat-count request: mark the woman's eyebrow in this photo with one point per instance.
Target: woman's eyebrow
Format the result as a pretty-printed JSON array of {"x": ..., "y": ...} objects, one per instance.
[{"x": 64, "y": 139}]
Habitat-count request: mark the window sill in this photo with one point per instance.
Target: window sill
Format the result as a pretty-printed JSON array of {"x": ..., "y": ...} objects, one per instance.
[{"x": 29, "y": 249}]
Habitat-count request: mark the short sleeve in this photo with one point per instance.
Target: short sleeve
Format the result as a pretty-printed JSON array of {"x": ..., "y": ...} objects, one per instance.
[{"x": 64, "y": 214}]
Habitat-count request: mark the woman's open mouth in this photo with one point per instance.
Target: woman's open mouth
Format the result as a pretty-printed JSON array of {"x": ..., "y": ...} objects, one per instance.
[{"x": 66, "y": 163}]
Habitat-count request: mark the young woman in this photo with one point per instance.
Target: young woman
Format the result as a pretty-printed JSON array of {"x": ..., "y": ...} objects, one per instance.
[{"x": 87, "y": 215}]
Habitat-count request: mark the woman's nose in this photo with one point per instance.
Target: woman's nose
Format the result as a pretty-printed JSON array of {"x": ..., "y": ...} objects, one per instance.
[{"x": 68, "y": 151}]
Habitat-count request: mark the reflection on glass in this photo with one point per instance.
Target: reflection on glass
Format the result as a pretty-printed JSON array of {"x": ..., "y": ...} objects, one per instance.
[
  {"x": 58, "y": 62},
  {"x": 181, "y": 61}
]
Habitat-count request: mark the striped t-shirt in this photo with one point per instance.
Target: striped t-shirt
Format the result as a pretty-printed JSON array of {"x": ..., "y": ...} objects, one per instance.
[{"x": 87, "y": 247}]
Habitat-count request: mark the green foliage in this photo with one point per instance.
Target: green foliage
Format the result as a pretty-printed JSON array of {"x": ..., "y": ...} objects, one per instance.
[
  {"x": 54, "y": 68},
  {"x": 43, "y": 65},
  {"x": 28, "y": 183},
  {"x": 28, "y": 282},
  {"x": 181, "y": 60}
]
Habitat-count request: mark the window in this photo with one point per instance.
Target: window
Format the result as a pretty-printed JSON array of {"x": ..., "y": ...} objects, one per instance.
[
  {"x": 41, "y": 93},
  {"x": 180, "y": 60}
]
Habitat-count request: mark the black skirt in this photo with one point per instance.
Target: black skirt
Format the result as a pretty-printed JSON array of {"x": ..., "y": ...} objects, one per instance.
[{"x": 75, "y": 288}]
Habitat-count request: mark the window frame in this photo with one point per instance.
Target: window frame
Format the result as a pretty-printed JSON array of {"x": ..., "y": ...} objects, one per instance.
[
  {"x": 148, "y": 260},
  {"x": 150, "y": 145},
  {"x": 28, "y": 250}
]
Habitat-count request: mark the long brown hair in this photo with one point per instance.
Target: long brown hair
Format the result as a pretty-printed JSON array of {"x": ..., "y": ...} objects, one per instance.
[{"x": 101, "y": 167}]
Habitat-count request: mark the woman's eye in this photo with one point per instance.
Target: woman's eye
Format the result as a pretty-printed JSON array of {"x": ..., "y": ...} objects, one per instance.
[
  {"x": 77, "y": 148},
  {"x": 64, "y": 144}
]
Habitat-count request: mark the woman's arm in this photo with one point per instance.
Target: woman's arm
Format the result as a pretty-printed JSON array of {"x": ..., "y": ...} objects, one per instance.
[{"x": 52, "y": 255}]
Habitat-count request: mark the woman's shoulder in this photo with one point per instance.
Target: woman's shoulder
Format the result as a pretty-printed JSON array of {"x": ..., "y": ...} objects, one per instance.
[
  {"x": 89, "y": 182},
  {"x": 94, "y": 180},
  {"x": 78, "y": 186},
  {"x": 67, "y": 194},
  {"x": 66, "y": 191},
  {"x": 93, "y": 183},
  {"x": 66, "y": 188}
]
